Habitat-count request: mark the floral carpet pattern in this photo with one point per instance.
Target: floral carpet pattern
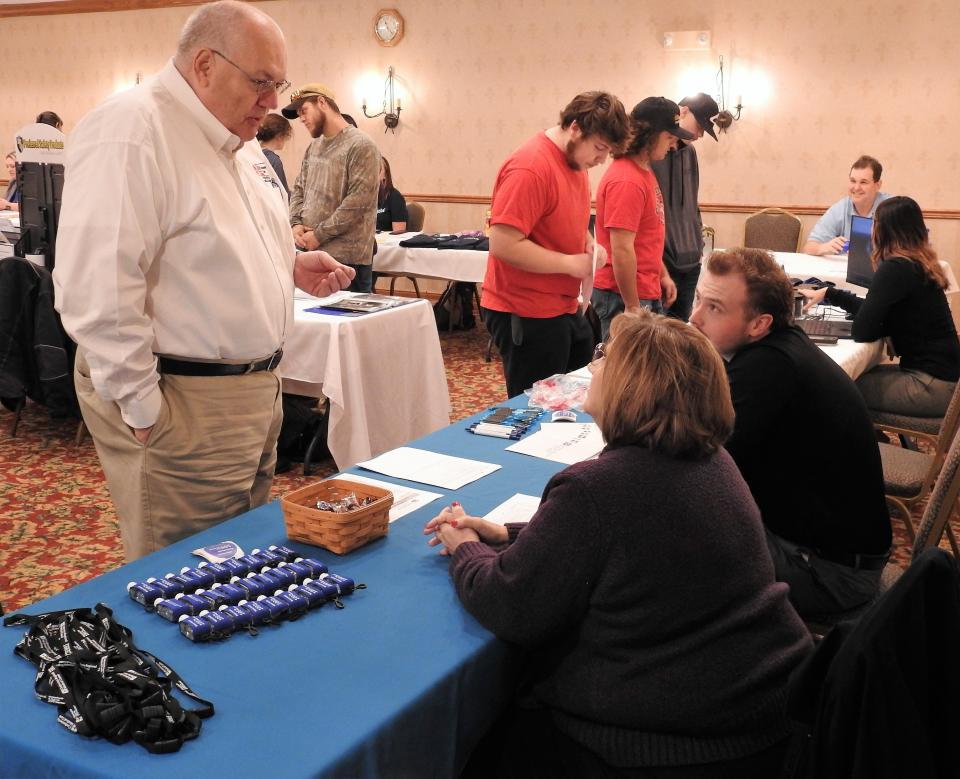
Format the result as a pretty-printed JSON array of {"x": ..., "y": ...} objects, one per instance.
[{"x": 57, "y": 524}]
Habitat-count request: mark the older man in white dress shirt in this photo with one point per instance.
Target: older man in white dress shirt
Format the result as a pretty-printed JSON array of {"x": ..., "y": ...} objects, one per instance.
[{"x": 175, "y": 274}]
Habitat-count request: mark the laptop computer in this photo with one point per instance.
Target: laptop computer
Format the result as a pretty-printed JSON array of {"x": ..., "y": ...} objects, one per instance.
[{"x": 859, "y": 266}]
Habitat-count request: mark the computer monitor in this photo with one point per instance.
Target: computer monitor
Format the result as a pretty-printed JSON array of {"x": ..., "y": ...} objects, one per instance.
[
  {"x": 859, "y": 264},
  {"x": 41, "y": 192}
]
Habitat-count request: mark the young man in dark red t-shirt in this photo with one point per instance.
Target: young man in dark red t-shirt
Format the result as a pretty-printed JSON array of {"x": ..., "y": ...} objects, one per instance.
[{"x": 540, "y": 249}]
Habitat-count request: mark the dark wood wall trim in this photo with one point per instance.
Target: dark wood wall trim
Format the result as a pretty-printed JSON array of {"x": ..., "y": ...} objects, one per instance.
[
  {"x": 88, "y": 6},
  {"x": 720, "y": 208}
]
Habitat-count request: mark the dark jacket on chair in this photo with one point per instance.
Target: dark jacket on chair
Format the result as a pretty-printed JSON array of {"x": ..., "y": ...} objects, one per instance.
[
  {"x": 36, "y": 356},
  {"x": 880, "y": 695}
]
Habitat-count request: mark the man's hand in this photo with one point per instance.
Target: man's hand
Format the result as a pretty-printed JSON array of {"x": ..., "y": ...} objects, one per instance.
[
  {"x": 142, "y": 434},
  {"x": 309, "y": 241},
  {"x": 298, "y": 231},
  {"x": 601, "y": 257},
  {"x": 321, "y": 275},
  {"x": 668, "y": 290},
  {"x": 580, "y": 266},
  {"x": 833, "y": 246}
]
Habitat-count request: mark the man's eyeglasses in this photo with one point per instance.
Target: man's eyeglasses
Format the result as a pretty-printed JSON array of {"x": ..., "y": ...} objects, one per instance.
[
  {"x": 599, "y": 352},
  {"x": 262, "y": 85}
]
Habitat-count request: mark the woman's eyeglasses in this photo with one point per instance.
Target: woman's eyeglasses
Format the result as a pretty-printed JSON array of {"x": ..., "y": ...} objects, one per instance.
[{"x": 599, "y": 352}]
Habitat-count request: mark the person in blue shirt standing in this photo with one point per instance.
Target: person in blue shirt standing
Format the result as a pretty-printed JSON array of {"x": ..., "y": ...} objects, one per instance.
[{"x": 831, "y": 232}]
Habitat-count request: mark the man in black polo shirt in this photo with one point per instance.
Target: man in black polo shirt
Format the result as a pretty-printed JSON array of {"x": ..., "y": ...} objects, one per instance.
[{"x": 802, "y": 438}]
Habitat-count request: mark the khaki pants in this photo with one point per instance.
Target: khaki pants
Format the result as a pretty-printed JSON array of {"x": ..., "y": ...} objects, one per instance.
[{"x": 210, "y": 457}]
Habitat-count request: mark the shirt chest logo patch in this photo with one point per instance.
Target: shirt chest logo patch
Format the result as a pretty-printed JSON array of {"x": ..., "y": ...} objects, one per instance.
[{"x": 263, "y": 170}]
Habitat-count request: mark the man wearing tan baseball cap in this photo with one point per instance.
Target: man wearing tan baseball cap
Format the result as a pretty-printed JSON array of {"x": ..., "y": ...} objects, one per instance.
[{"x": 333, "y": 203}]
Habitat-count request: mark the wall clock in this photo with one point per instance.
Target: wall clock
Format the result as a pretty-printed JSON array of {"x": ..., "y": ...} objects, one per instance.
[{"x": 388, "y": 27}]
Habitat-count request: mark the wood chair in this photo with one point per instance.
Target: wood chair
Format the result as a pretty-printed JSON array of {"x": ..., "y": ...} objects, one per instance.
[
  {"x": 416, "y": 214},
  {"x": 773, "y": 229},
  {"x": 910, "y": 475}
]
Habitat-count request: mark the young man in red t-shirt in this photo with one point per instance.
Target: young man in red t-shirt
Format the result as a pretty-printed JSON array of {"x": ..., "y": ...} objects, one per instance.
[
  {"x": 630, "y": 217},
  {"x": 540, "y": 249}
]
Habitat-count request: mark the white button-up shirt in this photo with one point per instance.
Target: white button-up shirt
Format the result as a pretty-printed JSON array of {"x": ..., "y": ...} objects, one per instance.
[{"x": 174, "y": 239}]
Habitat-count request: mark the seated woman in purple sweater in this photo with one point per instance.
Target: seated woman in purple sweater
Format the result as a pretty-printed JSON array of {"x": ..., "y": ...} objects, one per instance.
[{"x": 660, "y": 643}]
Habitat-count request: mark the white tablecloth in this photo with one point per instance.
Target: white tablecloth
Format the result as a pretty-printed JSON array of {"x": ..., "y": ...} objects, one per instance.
[
  {"x": 450, "y": 264},
  {"x": 855, "y": 358},
  {"x": 383, "y": 373}
]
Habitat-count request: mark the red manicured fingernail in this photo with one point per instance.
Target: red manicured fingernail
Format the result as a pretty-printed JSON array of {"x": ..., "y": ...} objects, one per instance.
[{"x": 453, "y": 523}]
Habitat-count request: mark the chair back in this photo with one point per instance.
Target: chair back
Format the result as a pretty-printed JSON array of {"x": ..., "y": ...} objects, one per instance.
[
  {"x": 943, "y": 499},
  {"x": 415, "y": 216},
  {"x": 948, "y": 431},
  {"x": 772, "y": 229}
]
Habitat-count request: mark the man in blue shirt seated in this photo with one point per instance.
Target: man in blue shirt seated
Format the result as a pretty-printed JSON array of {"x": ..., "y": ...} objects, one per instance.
[
  {"x": 802, "y": 437},
  {"x": 832, "y": 230}
]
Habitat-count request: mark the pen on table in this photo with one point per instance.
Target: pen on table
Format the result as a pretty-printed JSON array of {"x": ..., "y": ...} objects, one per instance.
[{"x": 496, "y": 431}]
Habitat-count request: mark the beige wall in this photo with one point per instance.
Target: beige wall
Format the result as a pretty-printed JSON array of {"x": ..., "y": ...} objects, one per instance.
[{"x": 820, "y": 86}]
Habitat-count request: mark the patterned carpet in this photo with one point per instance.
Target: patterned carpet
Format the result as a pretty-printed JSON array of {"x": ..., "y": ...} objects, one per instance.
[{"x": 57, "y": 525}]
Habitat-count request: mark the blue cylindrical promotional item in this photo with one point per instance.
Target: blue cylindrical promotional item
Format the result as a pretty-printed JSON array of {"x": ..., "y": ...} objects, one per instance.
[
  {"x": 296, "y": 601},
  {"x": 283, "y": 577},
  {"x": 277, "y": 607},
  {"x": 316, "y": 596},
  {"x": 221, "y": 572},
  {"x": 316, "y": 567},
  {"x": 199, "y": 577},
  {"x": 145, "y": 593},
  {"x": 196, "y": 628},
  {"x": 241, "y": 616},
  {"x": 231, "y": 593},
  {"x": 257, "y": 584},
  {"x": 235, "y": 567},
  {"x": 258, "y": 612},
  {"x": 173, "y": 608},
  {"x": 327, "y": 591},
  {"x": 285, "y": 552},
  {"x": 268, "y": 557},
  {"x": 344, "y": 584},
  {"x": 300, "y": 570}
]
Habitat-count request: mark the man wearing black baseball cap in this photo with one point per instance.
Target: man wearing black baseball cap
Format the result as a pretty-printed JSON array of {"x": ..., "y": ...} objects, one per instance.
[
  {"x": 679, "y": 177},
  {"x": 630, "y": 218}
]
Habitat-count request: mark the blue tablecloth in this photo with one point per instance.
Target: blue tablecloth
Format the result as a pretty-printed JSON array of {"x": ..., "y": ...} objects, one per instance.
[{"x": 401, "y": 683}]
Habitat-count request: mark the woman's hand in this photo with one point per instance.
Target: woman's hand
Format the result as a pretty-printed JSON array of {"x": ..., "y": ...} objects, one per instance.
[
  {"x": 452, "y": 527},
  {"x": 814, "y": 297}
]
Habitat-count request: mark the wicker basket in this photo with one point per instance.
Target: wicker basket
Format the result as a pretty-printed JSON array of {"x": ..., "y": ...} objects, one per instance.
[{"x": 342, "y": 532}]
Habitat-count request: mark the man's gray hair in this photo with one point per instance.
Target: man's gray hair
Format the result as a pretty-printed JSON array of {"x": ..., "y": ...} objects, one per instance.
[{"x": 214, "y": 26}]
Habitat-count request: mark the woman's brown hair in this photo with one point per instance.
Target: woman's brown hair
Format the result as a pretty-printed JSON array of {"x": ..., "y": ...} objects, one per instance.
[
  {"x": 899, "y": 231},
  {"x": 664, "y": 387}
]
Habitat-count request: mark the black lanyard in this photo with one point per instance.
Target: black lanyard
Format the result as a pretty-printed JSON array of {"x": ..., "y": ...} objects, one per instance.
[{"x": 104, "y": 685}]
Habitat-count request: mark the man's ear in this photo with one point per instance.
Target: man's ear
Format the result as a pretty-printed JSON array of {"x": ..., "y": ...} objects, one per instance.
[
  {"x": 202, "y": 66},
  {"x": 759, "y": 326}
]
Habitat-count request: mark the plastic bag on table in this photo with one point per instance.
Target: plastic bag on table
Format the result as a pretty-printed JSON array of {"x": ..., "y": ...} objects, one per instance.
[{"x": 560, "y": 391}]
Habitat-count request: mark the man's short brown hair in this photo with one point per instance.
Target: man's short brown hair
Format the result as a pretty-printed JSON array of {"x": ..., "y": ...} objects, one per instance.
[
  {"x": 769, "y": 290},
  {"x": 866, "y": 161},
  {"x": 663, "y": 387},
  {"x": 598, "y": 113}
]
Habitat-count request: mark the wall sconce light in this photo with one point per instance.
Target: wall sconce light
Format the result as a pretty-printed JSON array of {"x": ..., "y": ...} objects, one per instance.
[
  {"x": 391, "y": 106},
  {"x": 726, "y": 118},
  {"x": 687, "y": 40}
]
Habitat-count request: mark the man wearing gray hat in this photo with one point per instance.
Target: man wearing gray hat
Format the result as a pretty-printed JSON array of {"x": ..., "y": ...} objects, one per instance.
[
  {"x": 679, "y": 177},
  {"x": 333, "y": 203}
]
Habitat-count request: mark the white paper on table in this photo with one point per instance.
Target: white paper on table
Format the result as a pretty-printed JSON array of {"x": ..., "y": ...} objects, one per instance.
[
  {"x": 440, "y": 470},
  {"x": 516, "y": 508},
  {"x": 405, "y": 499},
  {"x": 562, "y": 442}
]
